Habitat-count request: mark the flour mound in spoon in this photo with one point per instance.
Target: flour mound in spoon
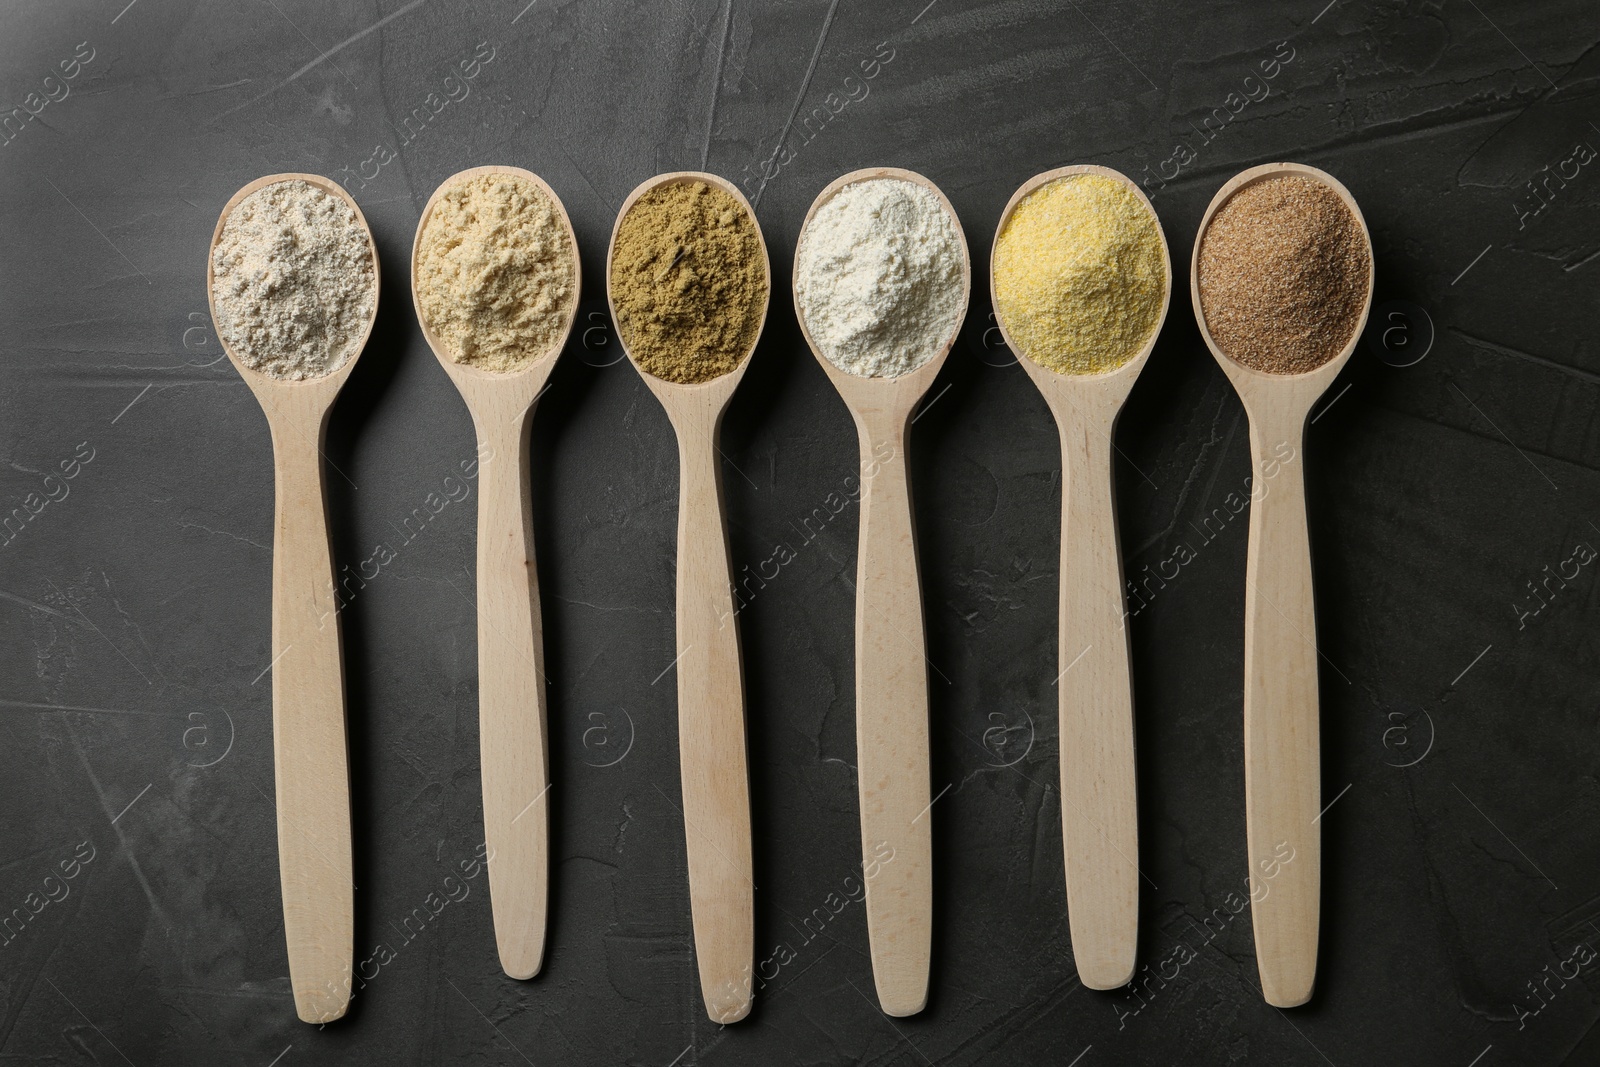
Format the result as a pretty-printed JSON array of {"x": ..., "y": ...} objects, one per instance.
[
  {"x": 1283, "y": 272},
  {"x": 496, "y": 272},
  {"x": 688, "y": 281},
  {"x": 293, "y": 281},
  {"x": 879, "y": 277}
]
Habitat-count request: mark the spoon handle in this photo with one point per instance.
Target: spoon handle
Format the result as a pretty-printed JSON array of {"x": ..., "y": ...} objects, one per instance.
[
  {"x": 892, "y": 730},
  {"x": 308, "y": 732},
  {"x": 1282, "y": 771},
  {"x": 711, "y": 739},
  {"x": 1099, "y": 805},
  {"x": 511, "y": 697}
]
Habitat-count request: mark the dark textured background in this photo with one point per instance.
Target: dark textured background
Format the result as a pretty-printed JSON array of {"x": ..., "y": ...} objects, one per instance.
[{"x": 136, "y": 609}]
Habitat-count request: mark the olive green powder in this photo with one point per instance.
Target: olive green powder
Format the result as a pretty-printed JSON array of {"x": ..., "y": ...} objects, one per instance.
[{"x": 688, "y": 282}]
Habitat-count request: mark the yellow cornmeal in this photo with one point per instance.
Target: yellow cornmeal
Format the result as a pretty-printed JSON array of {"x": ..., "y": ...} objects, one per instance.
[
  {"x": 1080, "y": 275},
  {"x": 496, "y": 272}
]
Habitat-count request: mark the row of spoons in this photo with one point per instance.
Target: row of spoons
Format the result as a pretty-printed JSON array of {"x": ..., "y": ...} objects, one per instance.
[{"x": 1096, "y": 726}]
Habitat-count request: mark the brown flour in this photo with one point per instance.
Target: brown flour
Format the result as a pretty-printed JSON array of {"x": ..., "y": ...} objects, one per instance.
[{"x": 1283, "y": 272}]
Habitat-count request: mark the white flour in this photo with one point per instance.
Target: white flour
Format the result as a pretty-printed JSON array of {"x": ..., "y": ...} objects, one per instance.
[
  {"x": 293, "y": 281},
  {"x": 879, "y": 277}
]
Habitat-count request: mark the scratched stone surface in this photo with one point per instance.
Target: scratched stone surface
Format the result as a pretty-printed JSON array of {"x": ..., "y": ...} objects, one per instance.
[{"x": 1454, "y": 513}]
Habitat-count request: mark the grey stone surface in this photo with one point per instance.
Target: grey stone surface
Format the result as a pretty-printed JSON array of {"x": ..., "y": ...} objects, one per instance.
[{"x": 135, "y": 602}]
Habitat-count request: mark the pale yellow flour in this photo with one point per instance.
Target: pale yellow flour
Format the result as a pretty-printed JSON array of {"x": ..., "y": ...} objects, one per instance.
[
  {"x": 496, "y": 272},
  {"x": 1080, "y": 274}
]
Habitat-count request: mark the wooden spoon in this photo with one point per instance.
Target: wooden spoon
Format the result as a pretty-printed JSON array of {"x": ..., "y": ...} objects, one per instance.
[
  {"x": 1099, "y": 802},
  {"x": 308, "y": 719},
  {"x": 1282, "y": 761},
  {"x": 511, "y": 683},
  {"x": 711, "y": 741},
  {"x": 891, "y": 657}
]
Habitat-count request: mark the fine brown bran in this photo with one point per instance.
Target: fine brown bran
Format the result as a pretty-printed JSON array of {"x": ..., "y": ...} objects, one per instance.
[{"x": 1283, "y": 273}]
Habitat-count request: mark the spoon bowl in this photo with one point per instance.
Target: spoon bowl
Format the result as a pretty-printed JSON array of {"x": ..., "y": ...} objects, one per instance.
[
  {"x": 513, "y": 745},
  {"x": 1304, "y": 388},
  {"x": 1108, "y": 387},
  {"x": 1282, "y": 749},
  {"x": 266, "y": 388},
  {"x": 891, "y": 691},
  {"x": 866, "y": 396},
  {"x": 475, "y": 379},
  {"x": 711, "y": 720},
  {"x": 312, "y": 777},
  {"x": 690, "y": 399},
  {"x": 1099, "y": 800}
]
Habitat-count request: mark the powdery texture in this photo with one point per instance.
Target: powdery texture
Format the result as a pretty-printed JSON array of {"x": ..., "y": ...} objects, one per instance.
[
  {"x": 1284, "y": 271},
  {"x": 688, "y": 282},
  {"x": 1080, "y": 274},
  {"x": 879, "y": 277},
  {"x": 293, "y": 281},
  {"x": 495, "y": 270}
]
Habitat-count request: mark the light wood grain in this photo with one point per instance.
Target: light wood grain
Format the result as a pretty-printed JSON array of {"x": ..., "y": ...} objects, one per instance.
[
  {"x": 310, "y": 751},
  {"x": 1282, "y": 748},
  {"x": 891, "y": 656},
  {"x": 512, "y": 719},
  {"x": 711, "y": 727},
  {"x": 1099, "y": 799}
]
